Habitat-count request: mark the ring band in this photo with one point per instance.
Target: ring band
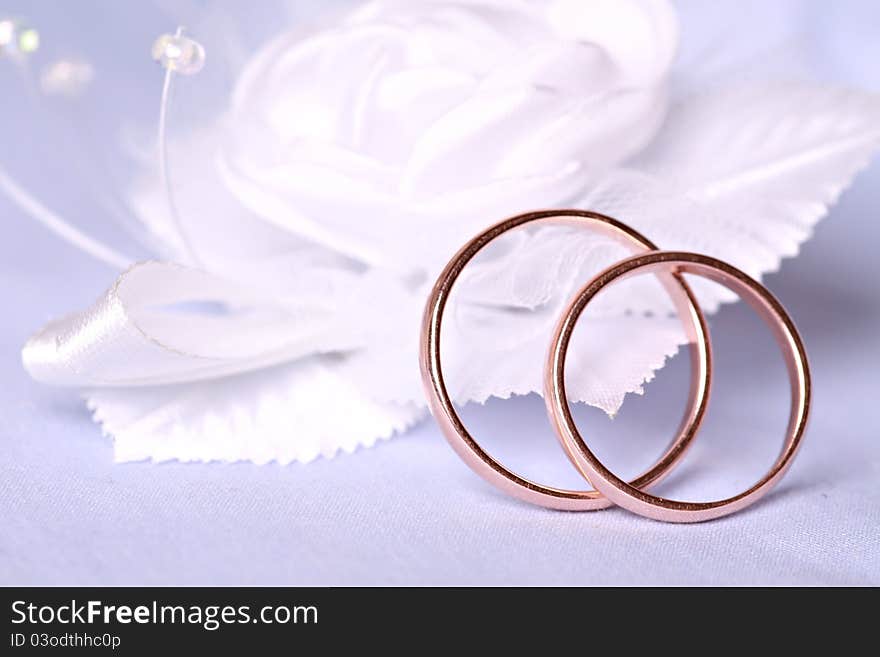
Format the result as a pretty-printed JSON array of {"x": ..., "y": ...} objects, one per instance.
[
  {"x": 458, "y": 436},
  {"x": 770, "y": 310}
]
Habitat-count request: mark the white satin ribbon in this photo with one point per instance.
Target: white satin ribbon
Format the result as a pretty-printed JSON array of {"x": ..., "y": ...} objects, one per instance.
[{"x": 165, "y": 323}]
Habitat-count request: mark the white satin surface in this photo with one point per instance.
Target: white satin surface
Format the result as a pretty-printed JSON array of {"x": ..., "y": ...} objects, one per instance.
[{"x": 407, "y": 511}]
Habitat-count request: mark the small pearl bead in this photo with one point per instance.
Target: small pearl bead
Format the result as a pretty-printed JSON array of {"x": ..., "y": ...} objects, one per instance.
[{"x": 179, "y": 53}]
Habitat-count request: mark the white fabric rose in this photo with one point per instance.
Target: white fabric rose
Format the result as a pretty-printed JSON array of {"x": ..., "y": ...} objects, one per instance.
[
  {"x": 354, "y": 161},
  {"x": 398, "y": 134}
]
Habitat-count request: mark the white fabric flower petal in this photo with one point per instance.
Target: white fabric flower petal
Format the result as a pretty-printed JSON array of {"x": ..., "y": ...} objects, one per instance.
[
  {"x": 378, "y": 229},
  {"x": 598, "y": 133},
  {"x": 640, "y": 35},
  {"x": 468, "y": 142}
]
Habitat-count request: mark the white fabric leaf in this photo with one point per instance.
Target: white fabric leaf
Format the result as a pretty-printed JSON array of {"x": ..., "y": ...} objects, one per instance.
[
  {"x": 744, "y": 186},
  {"x": 292, "y": 412}
]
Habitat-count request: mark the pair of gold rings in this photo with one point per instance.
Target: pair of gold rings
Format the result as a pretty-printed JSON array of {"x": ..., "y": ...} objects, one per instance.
[{"x": 609, "y": 488}]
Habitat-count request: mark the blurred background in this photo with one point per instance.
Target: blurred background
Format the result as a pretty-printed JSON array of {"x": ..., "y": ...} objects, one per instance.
[{"x": 408, "y": 511}]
